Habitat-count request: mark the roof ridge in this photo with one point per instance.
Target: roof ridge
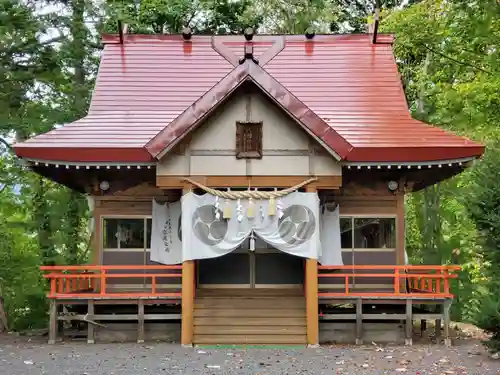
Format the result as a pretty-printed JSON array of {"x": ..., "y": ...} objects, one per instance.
[{"x": 219, "y": 45}]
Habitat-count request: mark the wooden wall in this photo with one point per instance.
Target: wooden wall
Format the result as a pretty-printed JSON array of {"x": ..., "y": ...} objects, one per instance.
[
  {"x": 131, "y": 202},
  {"x": 357, "y": 201},
  {"x": 287, "y": 149},
  {"x": 352, "y": 201}
]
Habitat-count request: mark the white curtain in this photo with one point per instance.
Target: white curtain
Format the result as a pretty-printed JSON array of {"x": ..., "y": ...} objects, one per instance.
[
  {"x": 201, "y": 232},
  {"x": 166, "y": 233},
  {"x": 91, "y": 204},
  {"x": 331, "y": 254},
  {"x": 294, "y": 231}
]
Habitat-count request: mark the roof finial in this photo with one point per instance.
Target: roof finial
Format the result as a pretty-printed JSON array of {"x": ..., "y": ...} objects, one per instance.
[
  {"x": 248, "y": 48},
  {"x": 187, "y": 33},
  {"x": 376, "y": 21},
  {"x": 122, "y": 29},
  {"x": 310, "y": 33},
  {"x": 248, "y": 34}
]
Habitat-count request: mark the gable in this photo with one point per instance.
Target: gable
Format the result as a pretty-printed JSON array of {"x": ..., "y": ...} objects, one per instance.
[{"x": 287, "y": 150}]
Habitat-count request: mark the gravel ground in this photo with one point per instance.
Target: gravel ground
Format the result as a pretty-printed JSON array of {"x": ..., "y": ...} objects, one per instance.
[{"x": 24, "y": 356}]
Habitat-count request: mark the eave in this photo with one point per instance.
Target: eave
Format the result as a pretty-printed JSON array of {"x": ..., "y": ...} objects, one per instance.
[{"x": 89, "y": 155}]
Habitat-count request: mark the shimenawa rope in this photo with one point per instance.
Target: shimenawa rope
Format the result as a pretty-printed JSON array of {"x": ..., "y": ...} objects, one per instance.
[{"x": 247, "y": 194}]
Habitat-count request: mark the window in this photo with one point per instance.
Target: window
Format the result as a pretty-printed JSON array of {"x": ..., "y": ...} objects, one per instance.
[
  {"x": 248, "y": 140},
  {"x": 368, "y": 233},
  {"x": 346, "y": 233},
  {"x": 126, "y": 233}
]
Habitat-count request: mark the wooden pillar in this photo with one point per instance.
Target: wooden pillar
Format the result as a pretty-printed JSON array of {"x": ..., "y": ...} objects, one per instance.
[
  {"x": 312, "y": 302},
  {"x": 446, "y": 319},
  {"x": 90, "y": 326},
  {"x": 52, "y": 321},
  {"x": 359, "y": 321},
  {"x": 409, "y": 322},
  {"x": 437, "y": 329},
  {"x": 140, "y": 321},
  {"x": 188, "y": 279}
]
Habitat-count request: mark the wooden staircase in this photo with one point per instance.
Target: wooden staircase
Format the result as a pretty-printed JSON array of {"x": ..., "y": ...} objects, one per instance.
[{"x": 250, "y": 316}]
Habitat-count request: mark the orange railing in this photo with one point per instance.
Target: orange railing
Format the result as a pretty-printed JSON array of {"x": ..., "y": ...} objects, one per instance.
[
  {"x": 94, "y": 281},
  {"x": 407, "y": 281}
]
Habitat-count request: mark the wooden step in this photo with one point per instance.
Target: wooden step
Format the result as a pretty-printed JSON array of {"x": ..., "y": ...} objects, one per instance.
[
  {"x": 249, "y": 330},
  {"x": 250, "y": 313},
  {"x": 259, "y": 317},
  {"x": 258, "y": 321},
  {"x": 248, "y": 293},
  {"x": 250, "y": 303},
  {"x": 250, "y": 339}
]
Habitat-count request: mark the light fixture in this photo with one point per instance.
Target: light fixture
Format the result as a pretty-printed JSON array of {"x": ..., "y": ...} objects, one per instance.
[
  {"x": 393, "y": 185},
  {"x": 104, "y": 185},
  {"x": 248, "y": 34}
]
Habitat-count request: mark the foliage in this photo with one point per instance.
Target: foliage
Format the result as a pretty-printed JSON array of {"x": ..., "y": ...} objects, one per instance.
[
  {"x": 483, "y": 205},
  {"x": 20, "y": 280},
  {"x": 166, "y": 16},
  {"x": 449, "y": 62}
]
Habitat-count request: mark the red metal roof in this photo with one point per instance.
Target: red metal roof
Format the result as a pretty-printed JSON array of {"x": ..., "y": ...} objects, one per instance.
[{"x": 151, "y": 90}]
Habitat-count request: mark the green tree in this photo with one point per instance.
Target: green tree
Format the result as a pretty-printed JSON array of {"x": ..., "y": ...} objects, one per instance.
[
  {"x": 483, "y": 206},
  {"x": 448, "y": 54}
]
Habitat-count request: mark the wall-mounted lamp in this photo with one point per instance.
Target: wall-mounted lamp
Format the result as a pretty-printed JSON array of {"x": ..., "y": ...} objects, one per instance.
[
  {"x": 393, "y": 185},
  {"x": 104, "y": 185}
]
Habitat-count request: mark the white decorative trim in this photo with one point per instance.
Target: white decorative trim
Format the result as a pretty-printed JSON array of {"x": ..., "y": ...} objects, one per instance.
[
  {"x": 408, "y": 165},
  {"x": 84, "y": 165}
]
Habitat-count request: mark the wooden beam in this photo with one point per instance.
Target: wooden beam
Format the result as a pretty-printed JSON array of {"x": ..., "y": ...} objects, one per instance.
[
  {"x": 187, "y": 325},
  {"x": 119, "y": 317},
  {"x": 178, "y": 182}
]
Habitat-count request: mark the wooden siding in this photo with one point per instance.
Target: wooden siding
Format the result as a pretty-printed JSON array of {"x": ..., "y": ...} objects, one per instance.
[
  {"x": 285, "y": 149},
  {"x": 137, "y": 201},
  {"x": 379, "y": 202}
]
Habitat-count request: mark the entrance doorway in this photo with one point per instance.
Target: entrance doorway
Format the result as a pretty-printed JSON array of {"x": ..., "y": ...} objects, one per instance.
[{"x": 265, "y": 268}]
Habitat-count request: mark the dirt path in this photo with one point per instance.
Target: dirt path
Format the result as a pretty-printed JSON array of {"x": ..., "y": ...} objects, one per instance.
[{"x": 24, "y": 356}]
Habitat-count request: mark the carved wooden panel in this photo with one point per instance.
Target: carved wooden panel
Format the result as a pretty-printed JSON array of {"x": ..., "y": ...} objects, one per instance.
[{"x": 248, "y": 140}]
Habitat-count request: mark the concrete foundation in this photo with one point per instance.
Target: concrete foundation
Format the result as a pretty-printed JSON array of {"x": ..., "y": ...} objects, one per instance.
[
  {"x": 345, "y": 333},
  {"x": 127, "y": 332}
]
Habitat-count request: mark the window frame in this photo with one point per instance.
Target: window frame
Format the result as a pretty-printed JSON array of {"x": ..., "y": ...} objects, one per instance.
[
  {"x": 118, "y": 217},
  {"x": 374, "y": 216}
]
